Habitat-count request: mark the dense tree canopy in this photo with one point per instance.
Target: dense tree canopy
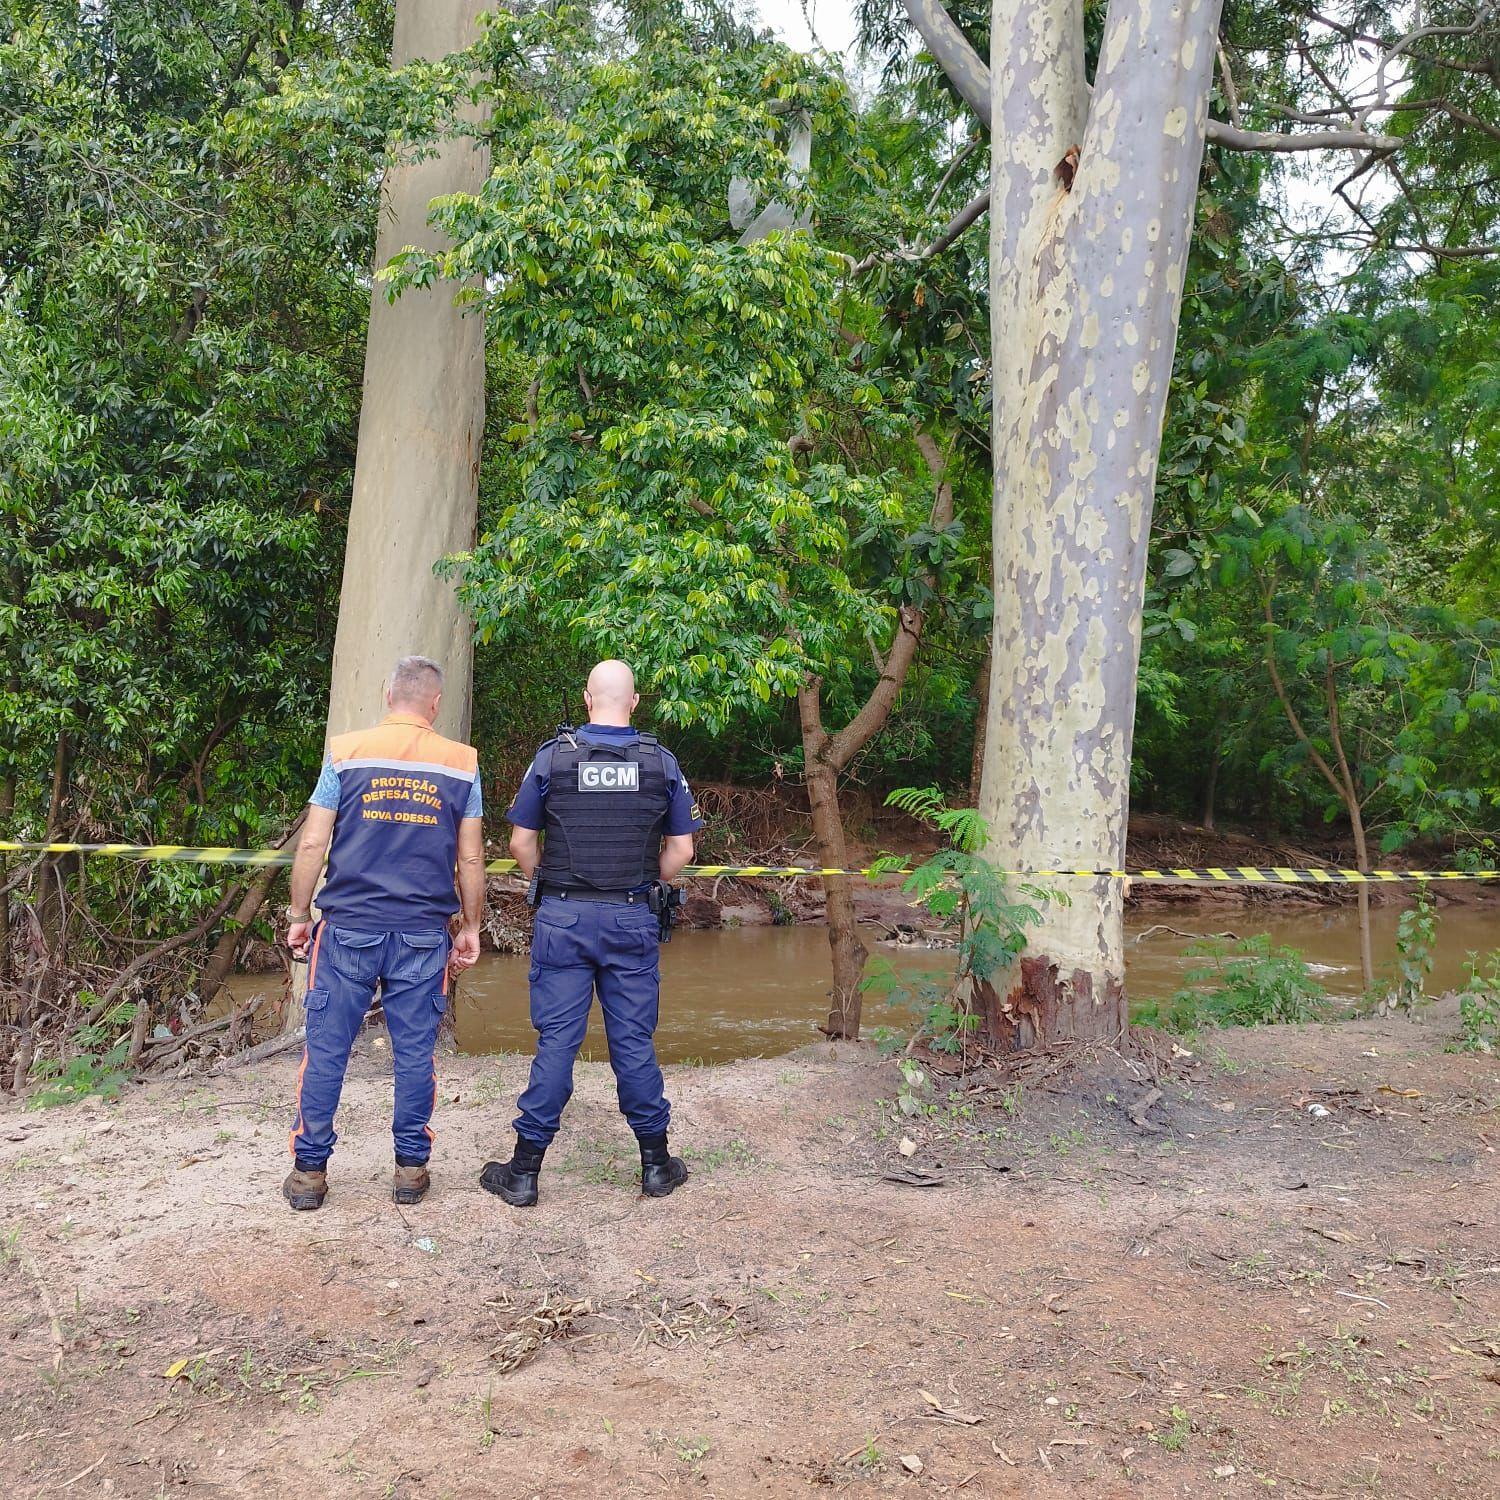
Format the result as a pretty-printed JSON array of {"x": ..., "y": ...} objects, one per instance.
[{"x": 718, "y": 457}]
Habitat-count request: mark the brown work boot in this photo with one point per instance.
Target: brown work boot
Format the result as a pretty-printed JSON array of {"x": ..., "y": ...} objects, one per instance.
[
  {"x": 305, "y": 1190},
  {"x": 409, "y": 1184}
]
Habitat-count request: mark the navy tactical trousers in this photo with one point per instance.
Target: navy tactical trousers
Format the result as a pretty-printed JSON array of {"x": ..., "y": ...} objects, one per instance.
[
  {"x": 576, "y": 948},
  {"x": 343, "y": 968}
]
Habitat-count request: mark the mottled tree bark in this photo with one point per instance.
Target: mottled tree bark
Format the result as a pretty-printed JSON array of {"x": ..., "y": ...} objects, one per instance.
[
  {"x": 1087, "y": 269},
  {"x": 1091, "y": 211}
]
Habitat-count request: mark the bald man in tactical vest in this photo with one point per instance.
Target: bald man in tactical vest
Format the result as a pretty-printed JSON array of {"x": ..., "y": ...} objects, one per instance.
[
  {"x": 604, "y": 820},
  {"x": 402, "y": 806}
]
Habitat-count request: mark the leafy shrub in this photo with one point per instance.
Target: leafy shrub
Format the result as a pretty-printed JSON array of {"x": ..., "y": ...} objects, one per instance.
[
  {"x": 1479, "y": 1006},
  {"x": 1416, "y": 931},
  {"x": 1243, "y": 983},
  {"x": 91, "y": 1067},
  {"x": 957, "y": 886}
]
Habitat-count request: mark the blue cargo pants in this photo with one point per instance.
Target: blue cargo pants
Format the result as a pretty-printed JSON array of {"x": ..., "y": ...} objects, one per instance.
[
  {"x": 577, "y": 947},
  {"x": 344, "y": 966}
]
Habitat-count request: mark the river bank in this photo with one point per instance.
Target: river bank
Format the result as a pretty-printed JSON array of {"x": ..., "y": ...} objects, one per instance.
[
  {"x": 765, "y": 827},
  {"x": 1063, "y": 1287},
  {"x": 754, "y": 990}
]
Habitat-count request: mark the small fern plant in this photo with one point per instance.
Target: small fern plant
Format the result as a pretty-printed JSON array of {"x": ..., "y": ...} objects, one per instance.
[{"x": 958, "y": 886}]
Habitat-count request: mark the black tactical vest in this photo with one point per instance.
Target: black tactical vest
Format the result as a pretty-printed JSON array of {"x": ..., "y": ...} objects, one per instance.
[{"x": 605, "y": 809}]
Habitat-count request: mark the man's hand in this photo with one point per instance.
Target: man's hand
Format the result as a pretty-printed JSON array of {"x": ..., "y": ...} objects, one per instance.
[
  {"x": 465, "y": 952},
  {"x": 298, "y": 937}
]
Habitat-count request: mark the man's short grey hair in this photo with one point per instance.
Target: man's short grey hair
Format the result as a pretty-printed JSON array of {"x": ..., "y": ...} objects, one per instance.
[{"x": 415, "y": 679}]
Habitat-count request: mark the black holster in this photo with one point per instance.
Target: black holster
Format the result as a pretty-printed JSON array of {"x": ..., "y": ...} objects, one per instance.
[{"x": 663, "y": 900}]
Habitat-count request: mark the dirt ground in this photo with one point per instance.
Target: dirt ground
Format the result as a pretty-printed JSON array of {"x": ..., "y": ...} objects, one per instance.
[{"x": 1283, "y": 1274}]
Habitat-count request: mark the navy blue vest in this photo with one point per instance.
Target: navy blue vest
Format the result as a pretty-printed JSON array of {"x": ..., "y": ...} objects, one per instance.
[
  {"x": 402, "y": 793},
  {"x": 605, "y": 810}
]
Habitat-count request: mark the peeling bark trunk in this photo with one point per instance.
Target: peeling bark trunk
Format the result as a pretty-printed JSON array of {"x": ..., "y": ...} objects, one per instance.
[{"x": 1086, "y": 285}]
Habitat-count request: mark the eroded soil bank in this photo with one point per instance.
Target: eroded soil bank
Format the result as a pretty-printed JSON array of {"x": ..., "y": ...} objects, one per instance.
[{"x": 1229, "y": 1293}]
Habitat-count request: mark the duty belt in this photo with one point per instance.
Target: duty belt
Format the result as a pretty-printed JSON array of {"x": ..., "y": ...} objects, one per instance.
[{"x": 587, "y": 893}]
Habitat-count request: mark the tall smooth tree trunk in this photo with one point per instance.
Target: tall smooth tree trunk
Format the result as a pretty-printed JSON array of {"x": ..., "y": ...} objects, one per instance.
[
  {"x": 416, "y": 473},
  {"x": 1211, "y": 784},
  {"x": 981, "y": 725},
  {"x": 1091, "y": 217},
  {"x": 421, "y": 421}
]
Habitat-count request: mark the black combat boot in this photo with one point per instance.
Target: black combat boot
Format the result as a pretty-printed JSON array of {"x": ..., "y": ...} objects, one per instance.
[
  {"x": 515, "y": 1180},
  {"x": 660, "y": 1170}
]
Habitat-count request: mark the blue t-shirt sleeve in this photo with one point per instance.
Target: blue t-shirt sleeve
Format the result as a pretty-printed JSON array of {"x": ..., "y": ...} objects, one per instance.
[
  {"x": 326, "y": 792},
  {"x": 683, "y": 815},
  {"x": 475, "y": 805},
  {"x": 526, "y": 809}
]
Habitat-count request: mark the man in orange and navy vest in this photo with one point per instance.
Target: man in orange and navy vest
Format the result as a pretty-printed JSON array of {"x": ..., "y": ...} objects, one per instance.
[{"x": 402, "y": 806}]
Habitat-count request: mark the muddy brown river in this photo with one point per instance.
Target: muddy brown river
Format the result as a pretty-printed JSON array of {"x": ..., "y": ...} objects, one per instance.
[{"x": 760, "y": 991}]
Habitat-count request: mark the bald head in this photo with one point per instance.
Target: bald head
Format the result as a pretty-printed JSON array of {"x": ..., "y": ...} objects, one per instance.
[{"x": 610, "y": 696}]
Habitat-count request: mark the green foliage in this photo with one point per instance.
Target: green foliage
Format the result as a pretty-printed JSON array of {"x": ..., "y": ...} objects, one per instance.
[
  {"x": 1397, "y": 701},
  {"x": 181, "y": 336},
  {"x": 1479, "y": 1005},
  {"x": 1247, "y": 982},
  {"x": 961, "y": 826},
  {"x": 679, "y": 493},
  {"x": 956, "y": 884},
  {"x": 1416, "y": 931},
  {"x": 958, "y": 887},
  {"x": 90, "y": 1064}
]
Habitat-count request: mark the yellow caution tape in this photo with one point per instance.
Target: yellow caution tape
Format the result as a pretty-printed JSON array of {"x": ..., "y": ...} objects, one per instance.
[{"x": 1216, "y": 875}]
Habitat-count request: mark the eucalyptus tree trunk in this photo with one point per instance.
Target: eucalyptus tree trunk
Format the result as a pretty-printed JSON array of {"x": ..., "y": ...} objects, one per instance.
[
  {"x": 416, "y": 473},
  {"x": 1091, "y": 208},
  {"x": 416, "y": 470}
]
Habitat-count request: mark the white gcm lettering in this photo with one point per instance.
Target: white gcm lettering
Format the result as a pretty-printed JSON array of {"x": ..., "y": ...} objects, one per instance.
[{"x": 608, "y": 778}]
